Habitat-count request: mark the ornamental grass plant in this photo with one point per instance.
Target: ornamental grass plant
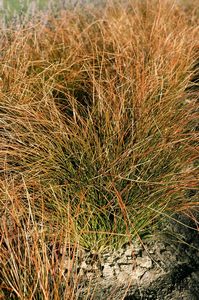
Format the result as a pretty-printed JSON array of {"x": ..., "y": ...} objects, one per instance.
[{"x": 99, "y": 135}]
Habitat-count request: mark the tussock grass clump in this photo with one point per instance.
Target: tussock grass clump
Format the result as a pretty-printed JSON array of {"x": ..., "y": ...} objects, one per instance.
[{"x": 98, "y": 132}]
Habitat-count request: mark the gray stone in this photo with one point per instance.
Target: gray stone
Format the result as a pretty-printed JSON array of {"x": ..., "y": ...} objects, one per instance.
[
  {"x": 129, "y": 252},
  {"x": 144, "y": 262},
  {"x": 107, "y": 271},
  {"x": 162, "y": 269},
  {"x": 122, "y": 260},
  {"x": 84, "y": 265}
]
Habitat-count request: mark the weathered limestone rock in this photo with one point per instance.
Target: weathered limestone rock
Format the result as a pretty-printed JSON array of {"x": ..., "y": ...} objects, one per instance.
[{"x": 164, "y": 268}]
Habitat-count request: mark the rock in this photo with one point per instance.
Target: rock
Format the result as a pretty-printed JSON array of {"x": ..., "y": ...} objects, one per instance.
[
  {"x": 122, "y": 260},
  {"x": 166, "y": 270},
  {"x": 107, "y": 271},
  {"x": 126, "y": 268},
  {"x": 139, "y": 272},
  {"x": 123, "y": 277},
  {"x": 144, "y": 262},
  {"x": 128, "y": 252},
  {"x": 117, "y": 270},
  {"x": 84, "y": 265}
]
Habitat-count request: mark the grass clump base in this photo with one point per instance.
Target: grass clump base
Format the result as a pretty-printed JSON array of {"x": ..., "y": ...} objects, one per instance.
[{"x": 99, "y": 137}]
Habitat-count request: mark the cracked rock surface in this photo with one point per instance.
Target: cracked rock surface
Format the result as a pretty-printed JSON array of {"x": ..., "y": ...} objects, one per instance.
[{"x": 164, "y": 267}]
